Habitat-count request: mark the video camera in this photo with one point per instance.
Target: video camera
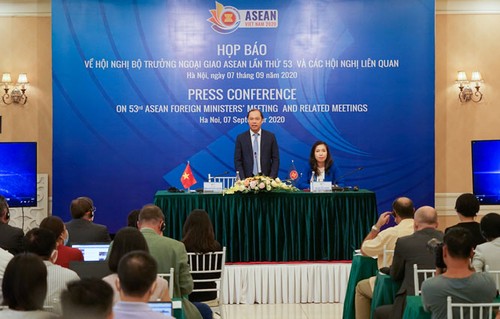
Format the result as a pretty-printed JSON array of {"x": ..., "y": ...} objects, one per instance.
[{"x": 435, "y": 246}]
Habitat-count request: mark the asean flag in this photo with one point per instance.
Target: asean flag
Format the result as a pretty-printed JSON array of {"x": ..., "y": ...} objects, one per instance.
[
  {"x": 293, "y": 175},
  {"x": 187, "y": 178}
]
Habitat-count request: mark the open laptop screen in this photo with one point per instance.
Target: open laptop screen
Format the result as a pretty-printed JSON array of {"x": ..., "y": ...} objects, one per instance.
[
  {"x": 93, "y": 252},
  {"x": 163, "y": 307}
]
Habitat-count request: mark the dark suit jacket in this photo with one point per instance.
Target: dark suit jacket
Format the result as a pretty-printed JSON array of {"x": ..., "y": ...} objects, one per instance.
[
  {"x": 474, "y": 229},
  {"x": 269, "y": 155},
  {"x": 411, "y": 250},
  {"x": 84, "y": 231},
  {"x": 11, "y": 238}
]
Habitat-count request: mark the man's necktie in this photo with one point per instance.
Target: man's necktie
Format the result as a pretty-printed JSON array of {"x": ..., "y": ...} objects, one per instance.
[{"x": 255, "y": 153}]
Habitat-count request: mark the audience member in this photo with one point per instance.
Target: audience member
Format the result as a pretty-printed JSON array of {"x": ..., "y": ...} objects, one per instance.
[
  {"x": 87, "y": 298},
  {"x": 467, "y": 207},
  {"x": 133, "y": 218},
  {"x": 168, "y": 253},
  {"x": 137, "y": 273},
  {"x": 65, "y": 254},
  {"x": 199, "y": 237},
  {"x": 256, "y": 151},
  {"x": 126, "y": 240},
  {"x": 42, "y": 242},
  {"x": 373, "y": 246},
  {"x": 489, "y": 252},
  {"x": 81, "y": 228},
  {"x": 458, "y": 281},
  {"x": 24, "y": 288},
  {"x": 5, "y": 257},
  {"x": 322, "y": 165},
  {"x": 411, "y": 250},
  {"x": 10, "y": 237}
]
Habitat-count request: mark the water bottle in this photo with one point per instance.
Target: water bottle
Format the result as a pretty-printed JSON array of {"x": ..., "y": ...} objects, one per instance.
[
  {"x": 237, "y": 179},
  {"x": 311, "y": 188}
]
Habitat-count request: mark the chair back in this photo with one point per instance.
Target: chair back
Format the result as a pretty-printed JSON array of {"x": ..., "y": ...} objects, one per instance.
[
  {"x": 212, "y": 266},
  {"x": 227, "y": 181},
  {"x": 495, "y": 274},
  {"x": 170, "y": 278},
  {"x": 387, "y": 253},
  {"x": 470, "y": 310},
  {"x": 421, "y": 273}
]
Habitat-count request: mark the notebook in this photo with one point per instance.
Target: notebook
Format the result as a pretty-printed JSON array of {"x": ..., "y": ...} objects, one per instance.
[
  {"x": 93, "y": 252},
  {"x": 164, "y": 307}
]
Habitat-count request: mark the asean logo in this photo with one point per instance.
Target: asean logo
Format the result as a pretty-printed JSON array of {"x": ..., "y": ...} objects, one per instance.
[
  {"x": 293, "y": 175},
  {"x": 225, "y": 19}
]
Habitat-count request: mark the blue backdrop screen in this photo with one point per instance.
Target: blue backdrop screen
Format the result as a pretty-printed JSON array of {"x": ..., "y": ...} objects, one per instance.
[{"x": 143, "y": 87}]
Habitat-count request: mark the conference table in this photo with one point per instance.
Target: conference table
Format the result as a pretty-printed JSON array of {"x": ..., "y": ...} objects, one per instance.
[{"x": 278, "y": 226}]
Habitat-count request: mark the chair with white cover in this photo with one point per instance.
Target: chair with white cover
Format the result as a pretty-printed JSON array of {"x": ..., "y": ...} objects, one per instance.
[
  {"x": 170, "y": 278},
  {"x": 426, "y": 273},
  {"x": 227, "y": 181},
  {"x": 387, "y": 253},
  {"x": 206, "y": 268},
  {"x": 470, "y": 310}
]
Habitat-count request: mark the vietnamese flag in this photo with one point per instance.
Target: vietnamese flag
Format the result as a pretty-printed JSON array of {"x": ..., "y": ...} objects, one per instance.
[{"x": 187, "y": 178}]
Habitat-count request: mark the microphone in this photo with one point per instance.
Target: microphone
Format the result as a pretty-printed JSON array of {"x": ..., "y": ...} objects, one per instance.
[{"x": 348, "y": 174}]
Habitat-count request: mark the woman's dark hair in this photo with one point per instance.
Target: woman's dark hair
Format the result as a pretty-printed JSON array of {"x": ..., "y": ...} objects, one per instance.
[
  {"x": 24, "y": 284},
  {"x": 467, "y": 205},
  {"x": 54, "y": 224},
  {"x": 133, "y": 218},
  {"x": 198, "y": 233},
  {"x": 312, "y": 159},
  {"x": 490, "y": 226},
  {"x": 126, "y": 240}
]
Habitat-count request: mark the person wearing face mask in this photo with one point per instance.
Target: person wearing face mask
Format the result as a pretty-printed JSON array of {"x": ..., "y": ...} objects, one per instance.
[
  {"x": 42, "y": 242},
  {"x": 322, "y": 167},
  {"x": 65, "y": 254}
]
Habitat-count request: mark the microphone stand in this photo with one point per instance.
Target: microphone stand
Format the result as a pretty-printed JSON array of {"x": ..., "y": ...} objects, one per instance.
[{"x": 336, "y": 187}]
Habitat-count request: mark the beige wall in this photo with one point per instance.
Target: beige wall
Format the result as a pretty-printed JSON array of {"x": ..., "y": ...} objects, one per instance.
[
  {"x": 463, "y": 42},
  {"x": 26, "y": 48}
]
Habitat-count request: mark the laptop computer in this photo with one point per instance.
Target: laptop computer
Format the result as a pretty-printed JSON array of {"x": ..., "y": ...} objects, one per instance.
[
  {"x": 93, "y": 251},
  {"x": 164, "y": 307}
]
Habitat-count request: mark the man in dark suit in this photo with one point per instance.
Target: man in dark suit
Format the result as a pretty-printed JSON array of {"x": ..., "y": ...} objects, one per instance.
[
  {"x": 81, "y": 228},
  {"x": 411, "y": 250},
  {"x": 11, "y": 238},
  {"x": 256, "y": 152}
]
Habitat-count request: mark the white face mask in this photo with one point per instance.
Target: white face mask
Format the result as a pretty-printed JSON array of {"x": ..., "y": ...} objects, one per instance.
[{"x": 53, "y": 256}]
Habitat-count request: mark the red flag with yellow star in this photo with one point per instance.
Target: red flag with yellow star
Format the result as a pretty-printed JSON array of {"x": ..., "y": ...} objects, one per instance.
[{"x": 187, "y": 178}]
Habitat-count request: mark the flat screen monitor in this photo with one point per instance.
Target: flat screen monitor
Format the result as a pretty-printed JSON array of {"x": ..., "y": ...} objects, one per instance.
[
  {"x": 486, "y": 171},
  {"x": 18, "y": 173},
  {"x": 93, "y": 251},
  {"x": 164, "y": 307}
]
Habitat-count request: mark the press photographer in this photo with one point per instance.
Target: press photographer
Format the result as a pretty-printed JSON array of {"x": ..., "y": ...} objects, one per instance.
[{"x": 459, "y": 280}]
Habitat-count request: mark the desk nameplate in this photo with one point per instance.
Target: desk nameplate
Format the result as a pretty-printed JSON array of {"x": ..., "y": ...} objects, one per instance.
[{"x": 212, "y": 187}]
